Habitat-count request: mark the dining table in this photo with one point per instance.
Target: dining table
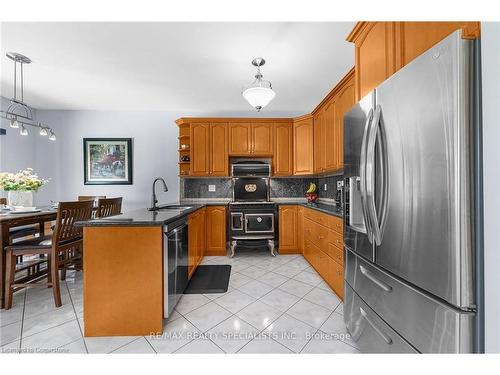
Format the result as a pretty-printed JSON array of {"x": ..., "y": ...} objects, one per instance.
[{"x": 9, "y": 220}]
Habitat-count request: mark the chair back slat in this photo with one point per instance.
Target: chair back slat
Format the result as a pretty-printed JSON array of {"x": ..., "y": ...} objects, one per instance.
[
  {"x": 67, "y": 214},
  {"x": 109, "y": 207}
]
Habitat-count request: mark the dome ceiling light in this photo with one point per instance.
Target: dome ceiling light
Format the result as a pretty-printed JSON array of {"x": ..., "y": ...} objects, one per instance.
[
  {"x": 260, "y": 92},
  {"x": 19, "y": 114}
]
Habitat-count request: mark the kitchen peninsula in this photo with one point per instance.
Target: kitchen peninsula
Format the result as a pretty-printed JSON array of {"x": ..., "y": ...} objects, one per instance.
[{"x": 124, "y": 258}]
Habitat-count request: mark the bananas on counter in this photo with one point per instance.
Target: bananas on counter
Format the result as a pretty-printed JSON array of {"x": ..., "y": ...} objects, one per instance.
[{"x": 312, "y": 188}]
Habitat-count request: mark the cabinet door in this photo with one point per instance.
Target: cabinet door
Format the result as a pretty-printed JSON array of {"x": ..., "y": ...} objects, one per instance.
[
  {"x": 219, "y": 160},
  {"x": 216, "y": 230},
  {"x": 375, "y": 57},
  {"x": 288, "y": 243},
  {"x": 417, "y": 37},
  {"x": 336, "y": 278},
  {"x": 262, "y": 139},
  {"x": 319, "y": 161},
  {"x": 200, "y": 134},
  {"x": 330, "y": 152},
  {"x": 192, "y": 242},
  {"x": 240, "y": 138},
  {"x": 344, "y": 102},
  {"x": 201, "y": 236},
  {"x": 283, "y": 150},
  {"x": 300, "y": 229},
  {"x": 303, "y": 147}
]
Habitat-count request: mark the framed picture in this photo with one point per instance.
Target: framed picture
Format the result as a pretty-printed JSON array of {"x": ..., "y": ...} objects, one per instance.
[{"x": 107, "y": 161}]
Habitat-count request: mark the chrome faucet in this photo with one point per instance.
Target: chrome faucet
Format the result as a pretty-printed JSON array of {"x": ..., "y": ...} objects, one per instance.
[{"x": 154, "y": 200}]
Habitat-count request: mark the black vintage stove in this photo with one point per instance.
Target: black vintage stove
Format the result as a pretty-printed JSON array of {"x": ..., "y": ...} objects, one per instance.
[{"x": 252, "y": 217}]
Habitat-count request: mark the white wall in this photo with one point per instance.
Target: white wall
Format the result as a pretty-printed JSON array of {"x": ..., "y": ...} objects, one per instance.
[
  {"x": 154, "y": 143},
  {"x": 490, "y": 43}
]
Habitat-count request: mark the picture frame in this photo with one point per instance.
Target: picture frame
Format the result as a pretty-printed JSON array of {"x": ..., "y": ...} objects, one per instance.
[{"x": 107, "y": 161}]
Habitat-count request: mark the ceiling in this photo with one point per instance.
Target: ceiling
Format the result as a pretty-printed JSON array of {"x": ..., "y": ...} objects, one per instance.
[{"x": 191, "y": 67}]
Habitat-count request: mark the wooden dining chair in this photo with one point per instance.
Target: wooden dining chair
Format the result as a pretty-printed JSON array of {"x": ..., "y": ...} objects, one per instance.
[
  {"x": 63, "y": 250},
  {"x": 93, "y": 198},
  {"x": 23, "y": 231},
  {"x": 109, "y": 207}
]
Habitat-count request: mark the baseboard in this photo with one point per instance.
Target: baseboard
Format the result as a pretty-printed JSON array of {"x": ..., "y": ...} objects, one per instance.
[{"x": 289, "y": 251}]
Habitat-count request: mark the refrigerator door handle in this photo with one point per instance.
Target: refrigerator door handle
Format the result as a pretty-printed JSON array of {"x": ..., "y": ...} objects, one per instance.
[
  {"x": 370, "y": 176},
  {"x": 386, "y": 338},
  {"x": 362, "y": 175}
]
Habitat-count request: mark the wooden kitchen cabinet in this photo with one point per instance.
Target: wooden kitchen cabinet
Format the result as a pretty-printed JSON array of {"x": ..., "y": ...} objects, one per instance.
[
  {"x": 381, "y": 48},
  {"x": 374, "y": 54},
  {"x": 288, "y": 224},
  {"x": 196, "y": 239},
  {"x": 303, "y": 146},
  {"x": 216, "y": 230},
  {"x": 240, "y": 139},
  {"x": 417, "y": 37},
  {"x": 200, "y": 149},
  {"x": 219, "y": 159},
  {"x": 321, "y": 241},
  {"x": 283, "y": 150},
  {"x": 319, "y": 143},
  {"x": 344, "y": 101},
  {"x": 329, "y": 137},
  {"x": 262, "y": 139}
]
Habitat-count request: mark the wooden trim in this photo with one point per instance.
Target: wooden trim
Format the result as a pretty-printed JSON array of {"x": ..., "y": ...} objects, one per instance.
[
  {"x": 358, "y": 30},
  {"x": 190, "y": 120},
  {"x": 338, "y": 88},
  {"x": 302, "y": 117}
]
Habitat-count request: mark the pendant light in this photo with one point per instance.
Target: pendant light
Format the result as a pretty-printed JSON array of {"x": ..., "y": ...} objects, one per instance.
[
  {"x": 19, "y": 114},
  {"x": 260, "y": 92}
]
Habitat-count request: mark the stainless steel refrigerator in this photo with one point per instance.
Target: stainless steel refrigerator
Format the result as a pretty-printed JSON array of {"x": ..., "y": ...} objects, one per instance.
[{"x": 410, "y": 259}]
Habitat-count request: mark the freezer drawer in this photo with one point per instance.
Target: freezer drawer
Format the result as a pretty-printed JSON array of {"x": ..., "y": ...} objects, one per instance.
[
  {"x": 371, "y": 333},
  {"x": 429, "y": 325}
]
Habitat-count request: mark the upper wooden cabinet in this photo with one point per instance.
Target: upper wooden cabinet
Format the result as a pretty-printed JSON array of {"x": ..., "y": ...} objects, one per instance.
[
  {"x": 382, "y": 48},
  {"x": 318, "y": 121},
  {"x": 344, "y": 100},
  {"x": 303, "y": 146},
  {"x": 219, "y": 160},
  {"x": 283, "y": 150},
  {"x": 329, "y": 136},
  {"x": 200, "y": 149},
  {"x": 240, "y": 138},
  {"x": 254, "y": 139},
  {"x": 417, "y": 37},
  {"x": 262, "y": 139},
  {"x": 374, "y": 54},
  {"x": 209, "y": 156}
]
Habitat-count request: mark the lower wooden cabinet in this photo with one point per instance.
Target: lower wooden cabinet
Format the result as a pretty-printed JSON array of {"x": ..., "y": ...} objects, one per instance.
[
  {"x": 216, "y": 230},
  {"x": 196, "y": 239},
  {"x": 323, "y": 243},
  {"x": 288, "y": 224}
]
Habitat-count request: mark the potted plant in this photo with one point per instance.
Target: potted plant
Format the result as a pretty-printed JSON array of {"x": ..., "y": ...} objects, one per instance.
[{"x": 20, "y": 187}]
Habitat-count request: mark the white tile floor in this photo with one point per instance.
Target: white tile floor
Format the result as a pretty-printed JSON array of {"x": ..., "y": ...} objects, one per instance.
[{"x": 273, "y": 305}]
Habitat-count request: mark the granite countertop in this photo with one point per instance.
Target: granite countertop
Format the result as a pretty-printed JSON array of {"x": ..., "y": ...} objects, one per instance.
[
  {"x": 142, "y": 217},
  {"x": 329, "y": 209}
]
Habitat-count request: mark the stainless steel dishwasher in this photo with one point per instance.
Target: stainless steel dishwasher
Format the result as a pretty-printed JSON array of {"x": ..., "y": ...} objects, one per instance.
[{"x": 175, "y": 263}]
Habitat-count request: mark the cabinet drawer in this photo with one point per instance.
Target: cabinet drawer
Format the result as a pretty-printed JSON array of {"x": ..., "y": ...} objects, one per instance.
[
  {"x": 335, "y": 253},
  {"x": 371, "y": 333},
  {"x": 336, "y": 277},
  {"x": 316, "y": 216},
  {"x": 336, "y": 239},
  {"x": 336, "y": 223}
]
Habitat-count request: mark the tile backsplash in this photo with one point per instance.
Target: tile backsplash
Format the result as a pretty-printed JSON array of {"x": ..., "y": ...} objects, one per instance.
[{"x": 280, "y": 187}]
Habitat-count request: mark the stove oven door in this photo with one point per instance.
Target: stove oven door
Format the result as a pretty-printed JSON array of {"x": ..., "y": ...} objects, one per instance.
[{"x": 259, "y": 223}]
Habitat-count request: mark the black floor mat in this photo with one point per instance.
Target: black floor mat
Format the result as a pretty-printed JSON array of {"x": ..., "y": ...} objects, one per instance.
[{"x": 209, "y": 279}]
